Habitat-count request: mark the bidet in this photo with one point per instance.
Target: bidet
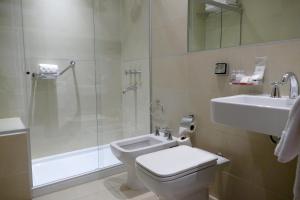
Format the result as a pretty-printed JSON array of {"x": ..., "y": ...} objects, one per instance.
[{"x": 128, "y": 150}]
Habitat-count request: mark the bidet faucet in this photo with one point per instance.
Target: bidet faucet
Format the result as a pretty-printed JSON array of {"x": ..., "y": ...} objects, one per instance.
[
  {"x": 167, "y": 132},
  {"x": 275, "y": 93},
  {"x": 157, "y": 131},
  {"x": 291, "y": 78},
  {"x": 170, "y": 137}
]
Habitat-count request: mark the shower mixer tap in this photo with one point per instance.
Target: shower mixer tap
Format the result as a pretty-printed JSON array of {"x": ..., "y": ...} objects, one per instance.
[
  {"x": 129, "y": 88},
  {"x": 132, "y": 72},
  {"x": 134, "y": 86}
]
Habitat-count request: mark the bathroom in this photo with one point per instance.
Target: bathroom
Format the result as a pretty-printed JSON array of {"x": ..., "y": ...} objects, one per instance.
[{"x": 132, "y": 66}]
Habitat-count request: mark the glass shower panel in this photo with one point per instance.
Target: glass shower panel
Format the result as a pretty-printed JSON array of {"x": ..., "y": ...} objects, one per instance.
[
  {"x": 104, "y": 95},
  {"x": 12, "y": 90},
  {"x": 62, "y": 109},
  {"x": 122, "y": 72},
  {"x": 135, "y": 67},
  {"x": 108, "y": 77}
]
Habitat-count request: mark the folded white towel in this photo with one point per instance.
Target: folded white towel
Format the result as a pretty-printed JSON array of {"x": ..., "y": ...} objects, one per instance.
[
  {"x": 48, "y": 69},
  {"x": 288, "y": 147}
]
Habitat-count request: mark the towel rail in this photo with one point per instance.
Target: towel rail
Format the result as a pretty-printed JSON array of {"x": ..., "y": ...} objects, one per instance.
[
  {"x": 72, "y": 65},
  {"x": 49, "y": 76}
]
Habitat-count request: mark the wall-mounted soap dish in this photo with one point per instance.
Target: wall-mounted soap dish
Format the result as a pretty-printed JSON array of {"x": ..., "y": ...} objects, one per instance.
[{"x": 238, "y": 77}]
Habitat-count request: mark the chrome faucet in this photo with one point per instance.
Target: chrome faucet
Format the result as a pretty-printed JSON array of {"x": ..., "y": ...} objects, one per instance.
[
  {"x": 275, "y": 93},
  {"x": 167, "y": 133},
  {"x": 157, "y": 131},
  {"x": 293, "y": 82}
]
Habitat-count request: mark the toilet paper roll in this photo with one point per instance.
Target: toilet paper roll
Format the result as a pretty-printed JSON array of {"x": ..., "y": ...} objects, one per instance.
[
  {"x": 183, "y": 132},
  {"x": 186, "y": 131},
  {"x": 184, "y": 141}
]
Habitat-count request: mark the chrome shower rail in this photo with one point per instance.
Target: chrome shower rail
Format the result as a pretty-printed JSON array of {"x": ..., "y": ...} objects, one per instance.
[
  {"x": 233, "y": 7},
  {"x": 50, "y": 76},
  {"x": 72, "y": 65}
]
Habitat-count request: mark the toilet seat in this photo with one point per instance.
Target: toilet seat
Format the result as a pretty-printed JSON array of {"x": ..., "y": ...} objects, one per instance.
[{"x": 173, "y": 163}]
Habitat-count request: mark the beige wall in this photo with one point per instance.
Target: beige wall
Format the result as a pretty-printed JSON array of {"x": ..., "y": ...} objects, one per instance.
[
  {"x": 14, "y": 167},
  {"x": 14, "y": 161},
  {"x": 185, "y": 83},
  {"x": 12, "y": 93}
]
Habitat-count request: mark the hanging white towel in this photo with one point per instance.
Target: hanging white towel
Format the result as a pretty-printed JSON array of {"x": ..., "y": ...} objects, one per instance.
[{"x": 288, "y": 147}]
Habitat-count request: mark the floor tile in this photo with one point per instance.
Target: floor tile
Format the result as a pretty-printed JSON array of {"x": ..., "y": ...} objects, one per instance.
[{"x": 110, "y": 188}]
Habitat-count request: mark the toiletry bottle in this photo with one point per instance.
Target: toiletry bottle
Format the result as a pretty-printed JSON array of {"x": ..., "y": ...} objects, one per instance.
[{"x": 233, "y": 76}]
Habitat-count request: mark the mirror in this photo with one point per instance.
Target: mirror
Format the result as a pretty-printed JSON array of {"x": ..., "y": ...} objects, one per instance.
[{"x": 214, "y": 24}]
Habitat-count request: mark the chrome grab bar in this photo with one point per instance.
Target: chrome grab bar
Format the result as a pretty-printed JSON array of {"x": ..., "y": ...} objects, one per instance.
[
  {"x": 72, "y": 65},
  {"x": 52, "y": 76}
]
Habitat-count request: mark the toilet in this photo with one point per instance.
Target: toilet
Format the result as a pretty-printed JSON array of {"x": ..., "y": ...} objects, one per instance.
[
  {"x": 179, "y": 173},
  {"x": 127, "y": 150}
]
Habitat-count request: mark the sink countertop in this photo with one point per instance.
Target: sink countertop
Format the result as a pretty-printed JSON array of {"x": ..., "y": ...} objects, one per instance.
[{"x": 10, "y": 126}]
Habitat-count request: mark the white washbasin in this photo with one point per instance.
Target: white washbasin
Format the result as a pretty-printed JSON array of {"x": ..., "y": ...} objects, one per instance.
[{"x": 252, "y": 112}]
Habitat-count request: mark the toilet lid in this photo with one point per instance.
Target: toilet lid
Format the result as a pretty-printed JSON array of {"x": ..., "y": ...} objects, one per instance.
[{"x": 174, "y": 161}]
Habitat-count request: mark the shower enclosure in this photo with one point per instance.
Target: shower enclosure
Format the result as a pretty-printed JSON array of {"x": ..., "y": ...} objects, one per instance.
[{"x": 103, "y": 97}]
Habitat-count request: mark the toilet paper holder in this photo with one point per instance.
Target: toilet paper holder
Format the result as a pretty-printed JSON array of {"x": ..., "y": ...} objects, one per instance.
[
  {"x": 187, "y": 127},
  {"x": 188, "y": 122}
]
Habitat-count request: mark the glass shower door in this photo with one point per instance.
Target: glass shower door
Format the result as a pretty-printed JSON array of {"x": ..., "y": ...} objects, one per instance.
[
  {"x": 104, "y": 95},
  {"x": 122, "y": 72},
  {"x": 62, "y": 108},
  {"x": 108, "y": 77}
]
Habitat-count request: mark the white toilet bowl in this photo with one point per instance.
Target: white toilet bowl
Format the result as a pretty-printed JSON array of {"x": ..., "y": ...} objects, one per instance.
[
  {"x": 178, "y": 173},
  {"x": 128, "y": 150}
]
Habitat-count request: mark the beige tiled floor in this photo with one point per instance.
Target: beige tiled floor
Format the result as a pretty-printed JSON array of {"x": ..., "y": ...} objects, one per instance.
[{"x": 111, "y": 188}]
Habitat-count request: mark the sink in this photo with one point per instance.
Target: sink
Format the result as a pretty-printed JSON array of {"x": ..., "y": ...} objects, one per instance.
[{"x": 257, "y": 113}]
